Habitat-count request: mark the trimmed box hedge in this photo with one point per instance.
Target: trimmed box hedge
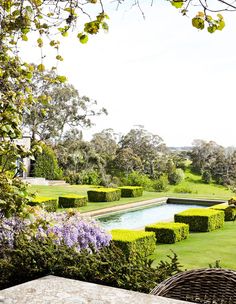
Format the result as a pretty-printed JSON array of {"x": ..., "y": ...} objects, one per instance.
[
  {"x": 72, "y": 201},
  {"x": 134, "y": 242},
  {"x": 169, "y": 233},
  {"x": 230, "y": 211},
  {"x": 201, "y": 220},
  {"x": 232, "y": 201},
  {"x": 131, "y": 191},
  {"x": 104, "y": 195},
  {"x": 48, "y": 203}
]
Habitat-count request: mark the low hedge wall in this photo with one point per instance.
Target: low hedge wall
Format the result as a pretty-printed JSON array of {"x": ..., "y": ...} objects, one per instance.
[
  {"x": 169, "y": 233},
  {"x": 72, "y": 201},
  {"x": 104, "y": 195},
  {"x": 48, "y": 203},
  {"x": 201, "y": 220},
  {"x": 232, "y": 201},
  {"x": 134, "y": 242},
  {"x": 131, "y": 191},
  {"x": 230, "y": 211}
]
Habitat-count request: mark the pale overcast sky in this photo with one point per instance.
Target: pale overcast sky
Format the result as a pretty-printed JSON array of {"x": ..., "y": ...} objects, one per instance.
[{"x": 161, "y": 73}]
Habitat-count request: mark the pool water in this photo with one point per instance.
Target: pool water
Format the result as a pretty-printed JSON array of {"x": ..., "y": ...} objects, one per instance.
[{"x": 134, "y": 219}]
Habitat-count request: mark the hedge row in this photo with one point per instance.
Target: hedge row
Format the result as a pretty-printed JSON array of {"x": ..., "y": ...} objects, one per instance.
[
  {"x": 232, "y": 201},
  {"x": 72, "y": 201},
  {"x": 131, "y": 191},
  {"x": 134, "y": 242},
  {"x": 169, "y": 233},
  {"x": 230, "y": 211},
  {"x": 48, "y": 203},
  {"x": 104, "y": 195},
  {"x": 201, "y": 220}
]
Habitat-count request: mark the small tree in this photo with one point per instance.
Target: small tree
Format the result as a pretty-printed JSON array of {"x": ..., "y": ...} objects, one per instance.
[
  {"x": 46, "y": 165},
  {"x": 206, "y": 177},
  {"x": 176, "y": 177}
]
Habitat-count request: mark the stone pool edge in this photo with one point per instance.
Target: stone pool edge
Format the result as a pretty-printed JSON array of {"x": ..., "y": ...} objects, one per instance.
[
  {"x": 109, "y": 210},
  {"x": 154, "y": 201}
]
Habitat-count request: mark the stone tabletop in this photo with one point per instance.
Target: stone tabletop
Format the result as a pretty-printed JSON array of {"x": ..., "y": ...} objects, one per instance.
[{"x": 57, "y": 290}]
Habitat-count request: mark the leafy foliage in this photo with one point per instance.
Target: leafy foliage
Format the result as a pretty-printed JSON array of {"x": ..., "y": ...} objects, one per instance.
[
  {"x": 60, "y": 107},
  {"x": 161, "y": 184},
  {"x": 176, "y": 176},
  {"x": 138, "y": 179},
  {"x": 13, "y": 195},
  {"x": 109, "y": 266},
  {"x": 45, "y": 164}
]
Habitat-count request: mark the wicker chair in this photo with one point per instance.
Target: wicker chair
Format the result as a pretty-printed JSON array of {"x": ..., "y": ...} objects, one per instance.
[{"x": 205, "y": 286}]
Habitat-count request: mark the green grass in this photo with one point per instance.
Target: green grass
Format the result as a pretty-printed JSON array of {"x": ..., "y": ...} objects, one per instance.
[
  {"x": 192, "y": 182},
  {"x": 57, "y": 191},
  {"x": 204, "y": 248},
  {"x": 199, "y": 189}
]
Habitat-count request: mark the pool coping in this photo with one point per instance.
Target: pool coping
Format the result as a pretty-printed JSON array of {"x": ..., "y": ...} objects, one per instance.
[
  {"x": 154, "y": 201},
  {"x": 114, "y": 209}
]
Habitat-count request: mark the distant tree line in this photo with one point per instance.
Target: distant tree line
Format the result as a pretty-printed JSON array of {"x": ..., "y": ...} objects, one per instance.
[{"x": 138, "y": 157}]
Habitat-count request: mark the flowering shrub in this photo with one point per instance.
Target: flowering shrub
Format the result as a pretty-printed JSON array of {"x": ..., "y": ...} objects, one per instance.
[{"x": 66, "y": 228}]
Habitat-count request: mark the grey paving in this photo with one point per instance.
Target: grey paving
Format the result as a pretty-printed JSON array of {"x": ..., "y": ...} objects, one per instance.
[{"x": 57, "y": 290}]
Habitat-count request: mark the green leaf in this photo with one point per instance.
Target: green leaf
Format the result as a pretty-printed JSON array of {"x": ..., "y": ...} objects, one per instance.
[
  {"x": 61, "y": 78},
  {"x": 83, "y": 38},
  {"x": 221, "y": 25},
  {"x": 24, "y": 37},
  {"x": 41, "y": 67},
  {"x": 198, "y": 23},
  {"x": 212, "y": 28},
  {"x": 177, "y": 4}
]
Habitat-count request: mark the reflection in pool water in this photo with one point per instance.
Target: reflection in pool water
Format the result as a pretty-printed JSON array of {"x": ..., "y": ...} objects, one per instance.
[{"x": 133, "y": 219}]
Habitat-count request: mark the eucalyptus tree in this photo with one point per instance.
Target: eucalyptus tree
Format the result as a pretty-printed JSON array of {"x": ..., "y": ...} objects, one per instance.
[
  {"x": 144, "y": 144},
  {"x": 64, "y": 110}
]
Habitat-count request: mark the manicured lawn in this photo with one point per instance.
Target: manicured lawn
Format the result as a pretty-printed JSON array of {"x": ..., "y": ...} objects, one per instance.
[
  {"x": 192, "y": 181},
  {"x": 82, "y": 190},
  {"x": 202, "y": 249}
]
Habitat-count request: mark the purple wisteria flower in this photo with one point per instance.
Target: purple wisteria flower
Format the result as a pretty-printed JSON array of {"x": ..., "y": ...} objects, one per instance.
[{"x": 65, "y": 228}]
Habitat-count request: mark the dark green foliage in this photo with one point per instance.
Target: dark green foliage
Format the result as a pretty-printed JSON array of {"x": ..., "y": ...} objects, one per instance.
[
  {"x": 72, "y": 201},
  {"x": 46, "y": 165},
  {"x": 206, "y": 177},
  {"x": 168, "y": 233},
  {"x": 232, "y": 201},
  {"x": 176, "y": 177},
  {"x": 110, "y": 266},
  {"x": 48, "y": 203},
  {"x": 131, "y": 191},
  {"x": 161, "y": 184},
  {"x": 230, "y": 211},
  {"x": 84, "y": 177},
  {"x": 104, "y": 195},
  {"x": 201, "y": 220},
  {"x": 133, "y": 242}
]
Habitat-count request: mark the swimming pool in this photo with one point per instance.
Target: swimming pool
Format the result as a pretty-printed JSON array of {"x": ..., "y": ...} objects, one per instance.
[{"x": 134, "y": 219}]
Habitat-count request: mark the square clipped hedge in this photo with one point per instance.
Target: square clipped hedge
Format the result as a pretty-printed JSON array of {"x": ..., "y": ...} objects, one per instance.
[
  {"x": 201, "y": 220},
  {"x": 169, "y": 233},
  {"x": 131, "y": 191},
  {"x": 134, "y": 242},
  {"x": 72, "y": 201},
  {"x": 230, "y": 211},
  {"x": 48, "y": 203},
  {"x": 104, "y": 195}
]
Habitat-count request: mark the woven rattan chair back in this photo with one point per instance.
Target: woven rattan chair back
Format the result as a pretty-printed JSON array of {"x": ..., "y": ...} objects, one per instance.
[{"x": 205, "y": 286}]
